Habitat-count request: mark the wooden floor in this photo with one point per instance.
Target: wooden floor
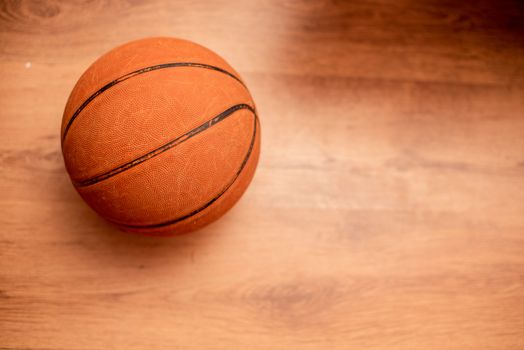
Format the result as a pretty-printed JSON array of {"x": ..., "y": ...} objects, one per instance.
[{"x": 388, "y": 207}]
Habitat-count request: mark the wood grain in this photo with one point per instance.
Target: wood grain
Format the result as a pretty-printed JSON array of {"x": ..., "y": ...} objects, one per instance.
[{"x": 387, "y": 211}]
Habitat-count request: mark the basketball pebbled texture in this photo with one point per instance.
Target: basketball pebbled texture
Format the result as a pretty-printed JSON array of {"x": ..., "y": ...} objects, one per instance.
[{"x": 160, "y": 136}]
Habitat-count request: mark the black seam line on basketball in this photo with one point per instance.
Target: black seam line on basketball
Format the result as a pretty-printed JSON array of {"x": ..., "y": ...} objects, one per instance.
[
  {"x": 194, "y": 212},
  {"x": 175, "y": 142},
  {"x": 138, "y": 72}
]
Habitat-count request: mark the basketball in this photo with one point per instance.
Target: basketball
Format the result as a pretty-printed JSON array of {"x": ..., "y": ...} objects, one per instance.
[{"x": 160, "y": 136}]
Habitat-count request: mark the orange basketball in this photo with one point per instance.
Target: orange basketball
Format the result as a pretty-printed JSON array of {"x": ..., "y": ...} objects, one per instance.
[{"x": 160, "y": 136}]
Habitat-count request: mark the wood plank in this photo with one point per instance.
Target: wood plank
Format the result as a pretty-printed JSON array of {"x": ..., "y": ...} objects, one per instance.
[{"x": 387, "y": 211}]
